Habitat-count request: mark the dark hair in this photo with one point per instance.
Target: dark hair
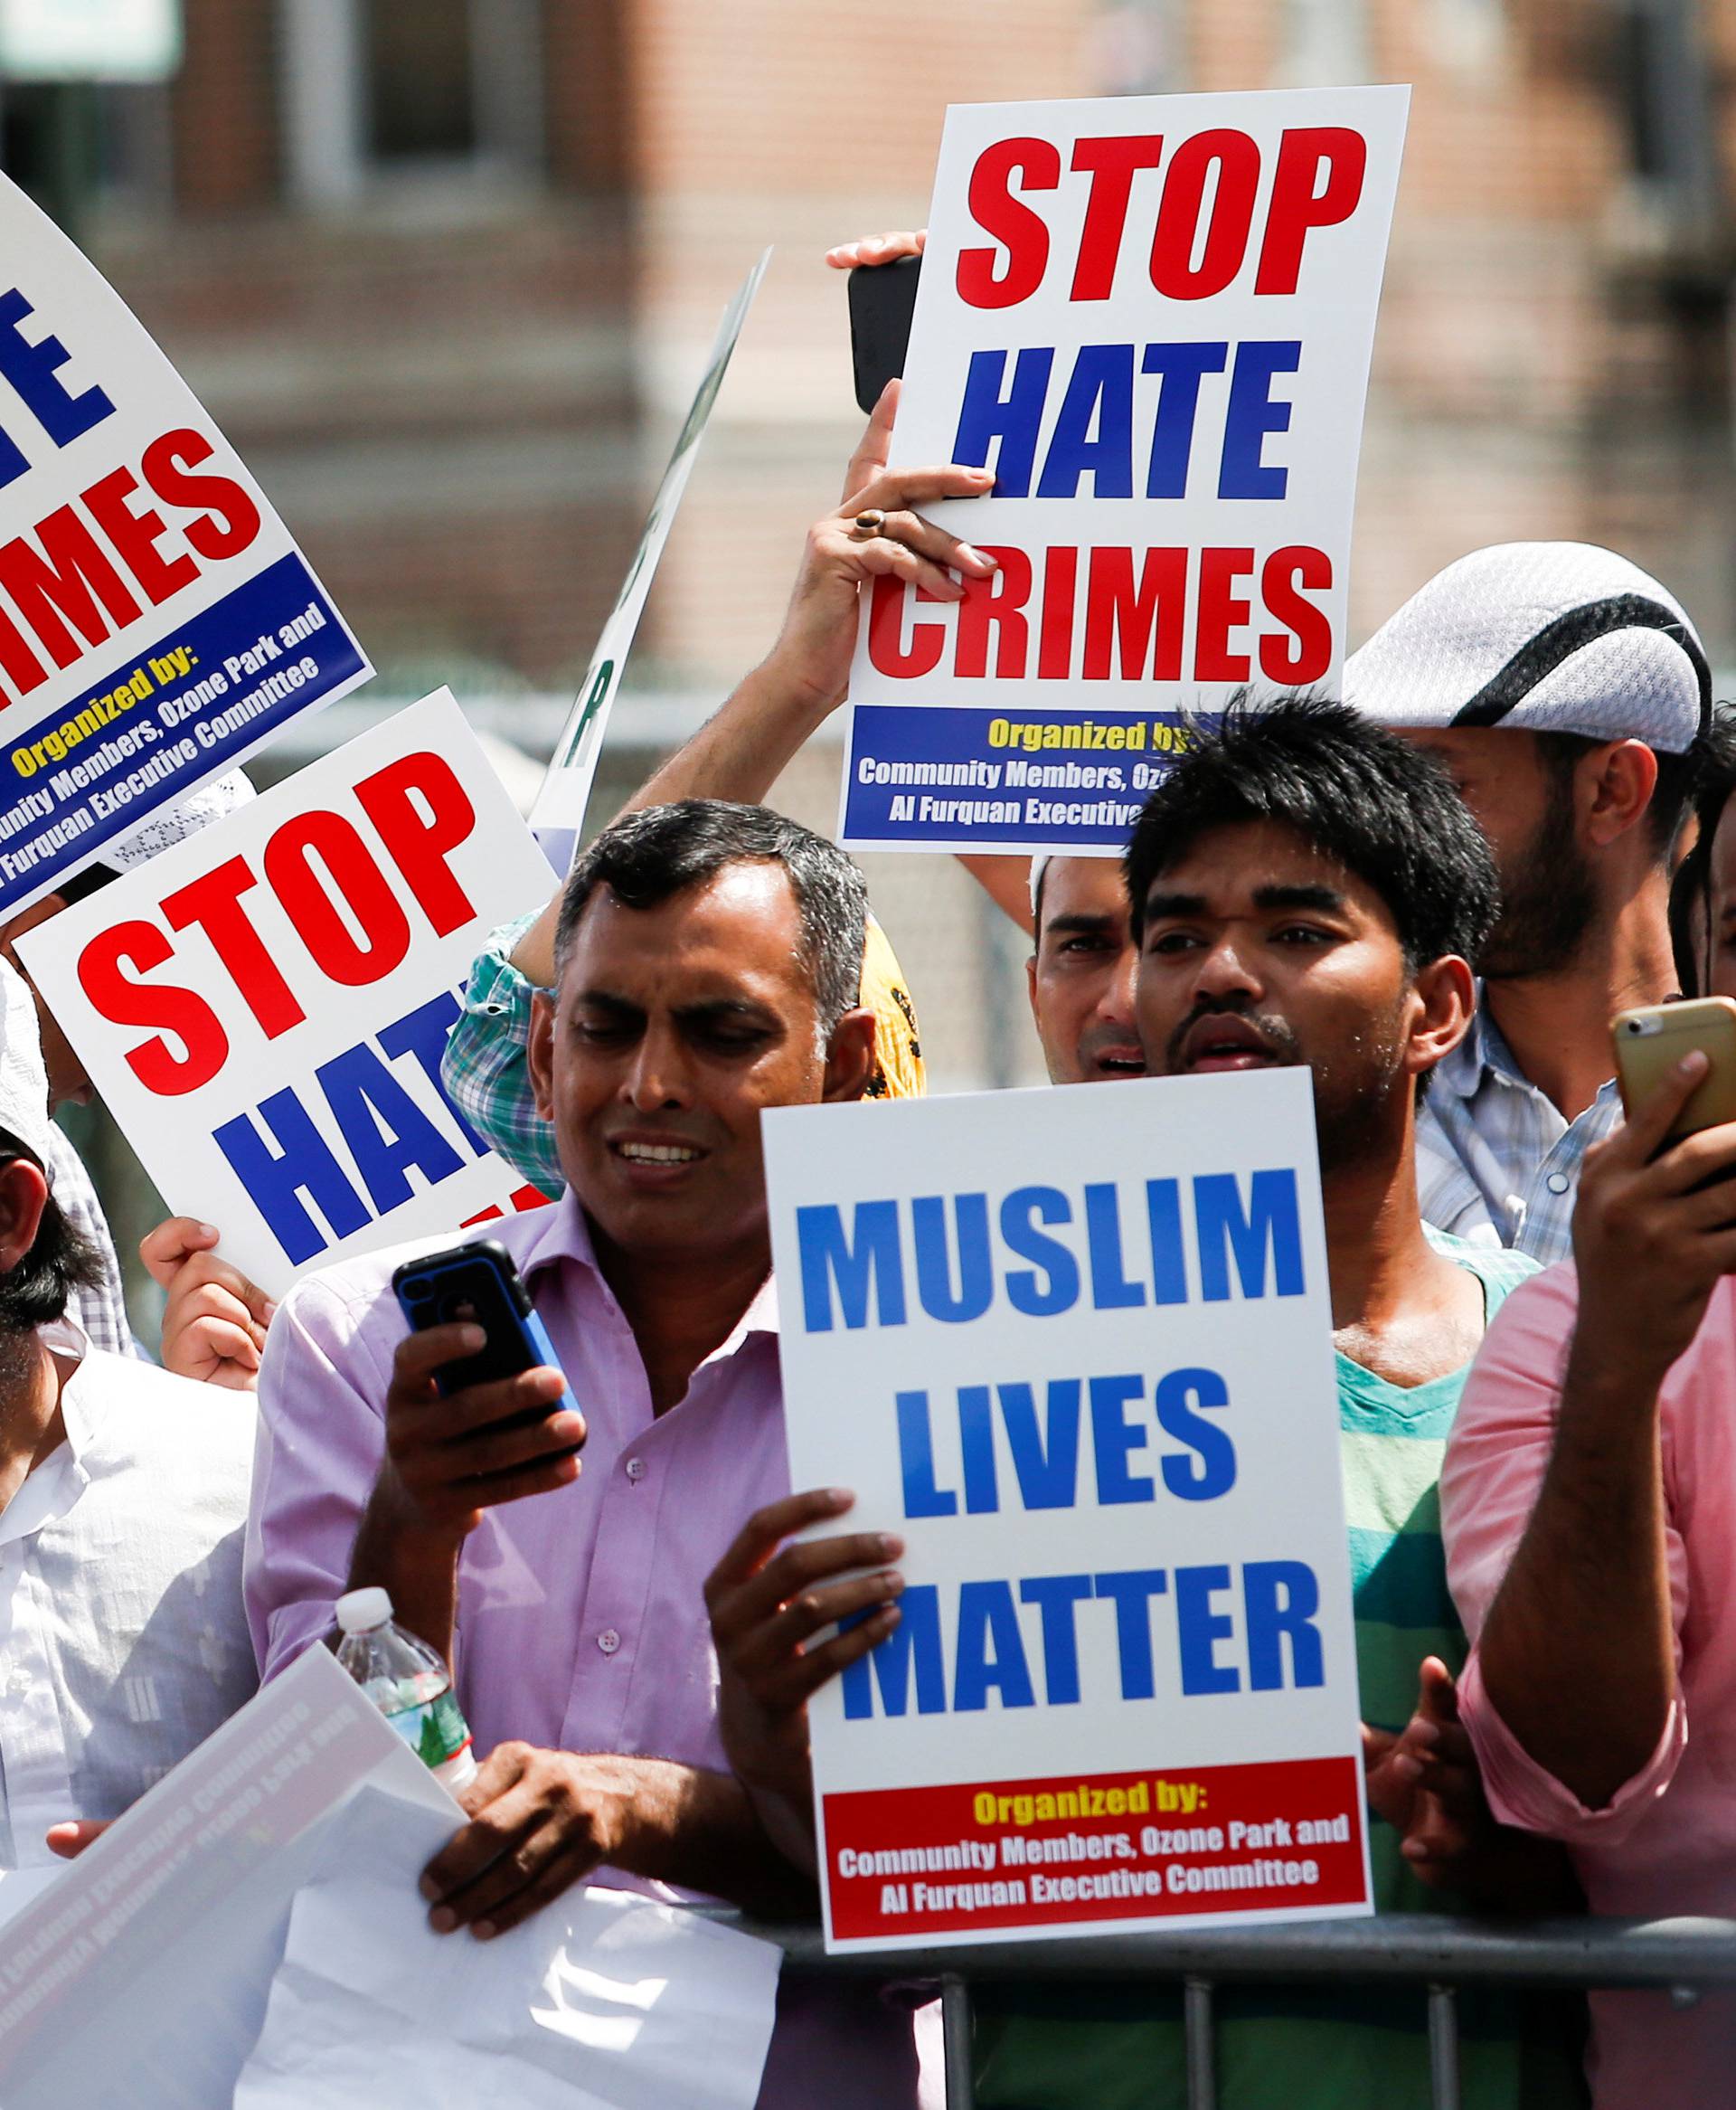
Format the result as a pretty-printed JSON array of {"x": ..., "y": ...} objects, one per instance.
[
  {"x": 87, "y": 880},
  {"x": 36, "y": 1292},
  {"x": 1677, "y": 776},
  {"x": 1691, "y": 889},
  {"x": 1360, "y": 795},
  {"x": 647, "y": 857}
]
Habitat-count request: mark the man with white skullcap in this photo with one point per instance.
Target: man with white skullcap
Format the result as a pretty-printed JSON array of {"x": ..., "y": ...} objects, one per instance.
[
  {"x": 171, "y": 1249},
  {"x": 1564, "y": 690},
  {"x": 123, "y": 1498}
]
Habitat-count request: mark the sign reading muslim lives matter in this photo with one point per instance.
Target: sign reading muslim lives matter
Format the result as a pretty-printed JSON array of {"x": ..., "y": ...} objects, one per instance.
[
  {"x": 157, "y": 619},
  {"x": 1074, "y": 1348},
  {"x": 263, "y": 1005},
  {"x": 1152, "y": 317}
]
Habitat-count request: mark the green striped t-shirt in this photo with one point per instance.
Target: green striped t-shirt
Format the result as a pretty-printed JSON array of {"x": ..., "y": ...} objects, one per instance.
[{"x": 1044, "y": 2046}]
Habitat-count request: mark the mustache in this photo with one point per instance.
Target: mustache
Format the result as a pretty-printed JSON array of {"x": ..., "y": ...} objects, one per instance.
[{"x": 1273, "y": 1030}]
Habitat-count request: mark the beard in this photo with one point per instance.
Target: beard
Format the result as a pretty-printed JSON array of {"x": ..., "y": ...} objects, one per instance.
[
  {"x": 1353, "y": 1087},
  {"x": 1548, "y": 901}
]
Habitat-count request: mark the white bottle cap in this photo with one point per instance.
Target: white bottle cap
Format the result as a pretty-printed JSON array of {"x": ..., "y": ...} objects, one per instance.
[{"x": 359, "y": 1610}]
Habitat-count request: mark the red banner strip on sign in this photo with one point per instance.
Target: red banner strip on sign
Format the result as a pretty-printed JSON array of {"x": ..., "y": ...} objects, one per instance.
[{"x": 908, "y": 1862}]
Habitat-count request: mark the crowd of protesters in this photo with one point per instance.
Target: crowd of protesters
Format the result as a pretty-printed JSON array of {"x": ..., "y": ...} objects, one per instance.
[{"x": 1434, "y": 890}]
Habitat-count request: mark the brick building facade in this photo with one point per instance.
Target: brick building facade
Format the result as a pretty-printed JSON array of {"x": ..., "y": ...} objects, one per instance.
[{"x": 447, "y": 272}]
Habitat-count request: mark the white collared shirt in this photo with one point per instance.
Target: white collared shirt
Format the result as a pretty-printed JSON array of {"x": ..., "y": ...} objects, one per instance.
[{"x": 123, "y": 1642}]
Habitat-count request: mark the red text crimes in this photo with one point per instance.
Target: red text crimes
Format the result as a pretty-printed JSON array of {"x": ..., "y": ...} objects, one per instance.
[
  {"x": 1202, "y": 231},
  {"x": 92, "y": 566},
  {"x": 1208, "y": 615},
  {"x": 329, "y": 880}
]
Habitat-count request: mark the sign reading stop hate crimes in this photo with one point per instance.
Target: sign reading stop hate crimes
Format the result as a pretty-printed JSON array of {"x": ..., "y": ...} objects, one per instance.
[
  {"x": 1075, "y": 1349},
  {"x": 1152, "y": 317},
  {"x": 157, "y": 619},
  {"x": 264, "y": 1006}
]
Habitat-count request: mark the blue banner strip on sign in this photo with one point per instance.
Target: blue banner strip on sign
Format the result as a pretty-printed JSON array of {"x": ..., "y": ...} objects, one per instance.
[
  {"x": 1014, "y": 780},
  {"x": 164, "y": 717}
]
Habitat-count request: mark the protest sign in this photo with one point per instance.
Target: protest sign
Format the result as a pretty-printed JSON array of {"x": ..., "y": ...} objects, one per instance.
[
  {"x": 558, "y": 814},
  {"x": 1152, "y": 317},
  {"x": 157, "y": 620},
  {"x": 263, "y": 1005},
  {"x": 140, "y": 1975},
  {"x": 251, "y": 1933},
  {"x": 1075, "y": 1349}
]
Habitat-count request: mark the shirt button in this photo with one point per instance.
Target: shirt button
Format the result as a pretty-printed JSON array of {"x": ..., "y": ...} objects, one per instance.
[
  {"x": 1558, "y": 1183},
  {"x": 636, "y": 1469},
  {"x": 19, "y": 1682},
  {"x": 609, "y": 1640}
]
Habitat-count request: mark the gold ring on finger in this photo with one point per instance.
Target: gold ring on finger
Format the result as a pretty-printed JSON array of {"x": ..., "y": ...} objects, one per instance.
[{"x": 867, "y": 525}]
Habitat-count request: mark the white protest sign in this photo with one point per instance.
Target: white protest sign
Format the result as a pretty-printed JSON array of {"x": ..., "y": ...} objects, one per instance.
[
  {"x": 263, "y": 1005},
  {"x": 140, "y": 1975},
  {"x": 558, "y": 814},
  {"x": 1152, "y": 317},
  {"x": 157, "y": 619},
  {"x": 1075, "y": 1349}
]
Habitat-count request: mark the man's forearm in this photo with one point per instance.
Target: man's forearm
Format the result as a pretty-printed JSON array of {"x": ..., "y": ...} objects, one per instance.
[
  {"x": 700, "y": 1829},
  {"x": 1578, "y": 1653},
  {"x": 418, "y": 1568},
  {"x": 741, "y": 750},
  {"x": 739, "y": 754}
]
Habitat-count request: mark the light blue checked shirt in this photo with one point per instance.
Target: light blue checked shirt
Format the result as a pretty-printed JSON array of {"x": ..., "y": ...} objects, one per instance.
[
  {"x": 1496, "y": 1164},
  {"x": 485, "y": 1068}
]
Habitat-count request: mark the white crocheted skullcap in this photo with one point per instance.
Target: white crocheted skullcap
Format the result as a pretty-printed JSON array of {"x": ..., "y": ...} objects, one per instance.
[
  {"x": 1543, "y": 637},
  {"x": 174, "y": 823},
  {"x": 24, "y": 1080},
  {"x": 1039, "y": 866}
]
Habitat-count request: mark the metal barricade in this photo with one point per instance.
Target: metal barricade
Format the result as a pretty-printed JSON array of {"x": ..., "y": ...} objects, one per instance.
[{"x": 1681, "y": 1957}]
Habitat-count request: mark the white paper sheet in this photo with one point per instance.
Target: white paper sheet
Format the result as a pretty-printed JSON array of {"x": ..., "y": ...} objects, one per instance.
[
  {"x": 22, "y": 1886},
  {"x": 603, "y": 2001},
  {"x": 138, "y": 1979}
]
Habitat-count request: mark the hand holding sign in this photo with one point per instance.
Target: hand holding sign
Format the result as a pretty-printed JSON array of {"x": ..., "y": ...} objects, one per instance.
[
  {"x": 767, "y": 1607},
  {"x": 812, "y": 655},
  {"x": 1152, "y": 317},
  {"x": 214, "y": 1319}
]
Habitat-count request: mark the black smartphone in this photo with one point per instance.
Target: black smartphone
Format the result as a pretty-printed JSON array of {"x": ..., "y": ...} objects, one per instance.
[
  {"x": 478, "y": 1282},
  {"x": 882, "y": 300}
]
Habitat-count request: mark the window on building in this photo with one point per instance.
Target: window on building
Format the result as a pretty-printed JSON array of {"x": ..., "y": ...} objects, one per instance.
[
  {"x": 1662, "y": 89},
  {"x": 418, "y": 66},
  {"x": 385, "y": 95}
]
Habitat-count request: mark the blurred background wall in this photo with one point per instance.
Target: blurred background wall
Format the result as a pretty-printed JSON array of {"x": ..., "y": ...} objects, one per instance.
[{"x": 445, "y": 271}]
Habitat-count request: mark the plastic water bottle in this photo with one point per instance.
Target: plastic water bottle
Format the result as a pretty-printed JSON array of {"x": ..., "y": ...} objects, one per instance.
[{"x": 407, "y": 1681}]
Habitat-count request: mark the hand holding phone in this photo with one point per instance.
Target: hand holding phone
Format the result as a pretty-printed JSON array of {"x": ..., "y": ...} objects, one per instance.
[
  {"x": 1652, "y": 1038},
  {"x": 883, "y": 298},
  {"x": 460, "y": 1460}
]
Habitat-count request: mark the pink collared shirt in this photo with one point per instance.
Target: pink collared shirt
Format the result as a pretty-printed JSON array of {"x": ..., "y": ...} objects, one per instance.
[
  {"x": 1666, "y": 1843},
  {"x": 581, "y": 1618}
]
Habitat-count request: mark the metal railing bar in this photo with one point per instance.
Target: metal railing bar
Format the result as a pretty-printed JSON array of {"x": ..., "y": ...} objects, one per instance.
[
  {"x": 957, "y": 2035},
  {"x": 1202, "y": 2046},
  {"x": 1420, "y": 1948},
  {"x": 1443, "y": 2046}
]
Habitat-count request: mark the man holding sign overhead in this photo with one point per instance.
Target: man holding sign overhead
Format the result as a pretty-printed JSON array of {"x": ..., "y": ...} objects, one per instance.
[{"x": 1305, "y": 891}]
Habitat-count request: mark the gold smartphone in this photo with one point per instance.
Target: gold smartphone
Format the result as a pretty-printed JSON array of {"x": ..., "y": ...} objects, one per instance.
[{"x": 1652, "y": 1038}]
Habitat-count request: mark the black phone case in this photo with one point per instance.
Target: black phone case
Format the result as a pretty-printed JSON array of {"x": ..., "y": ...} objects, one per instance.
[{"x": 882, "y": 297}]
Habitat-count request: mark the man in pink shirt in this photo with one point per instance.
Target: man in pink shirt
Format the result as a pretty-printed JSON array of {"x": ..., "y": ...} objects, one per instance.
[
  {"x": 708, "y": 958},
  {"x": 1589, "y": 1504}
]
